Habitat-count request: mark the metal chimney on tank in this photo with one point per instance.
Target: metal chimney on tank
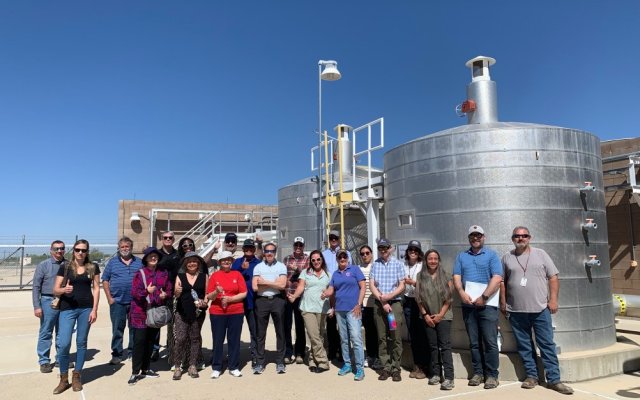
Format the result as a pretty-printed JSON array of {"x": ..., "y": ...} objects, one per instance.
[
  {"x": 481, "y": 106},
  {"x": 344, "y": 151}
]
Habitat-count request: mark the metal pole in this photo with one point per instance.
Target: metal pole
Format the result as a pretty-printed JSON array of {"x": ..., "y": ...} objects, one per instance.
[
  {"x": 323, "y": 211},
  {"x": 342, "y": 241},
  {"x": 22, "y": 262}
]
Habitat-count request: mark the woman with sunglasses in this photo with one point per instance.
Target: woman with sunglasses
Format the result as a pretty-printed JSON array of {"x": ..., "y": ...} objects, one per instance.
[
  {"x": 347, "y": 285},
  {"x": 312, "y": 282},
  {"x": 79, "y": 297},
  {"x": 370, "y": 333},
  {"x": 412, "y": 266},
  {"x": 433, "y": 294},
  {"x": 150, "y": 288}
]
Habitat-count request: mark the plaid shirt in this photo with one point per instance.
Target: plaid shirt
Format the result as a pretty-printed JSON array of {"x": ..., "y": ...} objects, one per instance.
[
  {"x": 295, "y": 265},
  {"x": 387, "y": 275}
]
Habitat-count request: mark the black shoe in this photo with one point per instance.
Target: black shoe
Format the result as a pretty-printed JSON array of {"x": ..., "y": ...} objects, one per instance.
[
  {"x": 46, "y": 368},
  {"x": 384, "y": 375},
  {"x": 134, "y": 379},
  {"x": 150, "y": 373},
  {"x": 395, "y": 376},
  {"x": 155, "y": 356}
]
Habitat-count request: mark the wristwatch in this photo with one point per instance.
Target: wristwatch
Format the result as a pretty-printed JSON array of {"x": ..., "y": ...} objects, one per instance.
[{"x": 485, "y": 297}]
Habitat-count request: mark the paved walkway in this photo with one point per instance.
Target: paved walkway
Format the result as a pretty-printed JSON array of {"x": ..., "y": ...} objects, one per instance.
[{"x": 21, "y": 379}]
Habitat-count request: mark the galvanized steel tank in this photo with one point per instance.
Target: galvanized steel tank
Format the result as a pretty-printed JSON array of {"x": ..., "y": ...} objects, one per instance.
[
  {"x": 298, "y": 215},
  {"x": 501, "y": 175}
]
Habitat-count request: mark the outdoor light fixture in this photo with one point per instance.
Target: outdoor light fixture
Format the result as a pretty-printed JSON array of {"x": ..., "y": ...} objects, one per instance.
[
  {"x": 135, "y": 217},
  {"x": 330, "y": 73}
]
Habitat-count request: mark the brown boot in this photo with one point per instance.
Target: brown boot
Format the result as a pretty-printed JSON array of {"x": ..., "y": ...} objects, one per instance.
[
  {"x": 76, "y": 383},
  {"x": 63, "y": 385}
]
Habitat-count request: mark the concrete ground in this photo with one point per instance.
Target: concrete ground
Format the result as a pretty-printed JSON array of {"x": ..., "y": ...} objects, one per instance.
[{"x": 20, "y": 377}]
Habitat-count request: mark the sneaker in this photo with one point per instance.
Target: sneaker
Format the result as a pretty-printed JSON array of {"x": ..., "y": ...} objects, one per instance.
[
  {"x": 216, "y": 374},
  {"x": 359, "y": 375},
  {"x": 346, "y": 368},
  {"x": 421, "y": 375},
  {"x": 155, "y": 356},
  {"x": 115, "y": 360},
  {"x": 193, "y": 372},
  {"x": 395, "y": 376},
  {"x": 281, "y": 369},
  {"x": 288, "y": 360},
  {"x": 46, "y": 368},
  {"x": 447, "y": 385},
  {"x": 236, "y": 373},
  {"x": 434, "y": 380},
  {"x": 366, "y": 363},
  {"x": 529, "y": 383},
  {"x": 201, "y": 367},
  {"x": 491, "y": 383},
  {"x": 258, "y": 369},
  {"x": 133, "y": 379},
  {"x": 318, "y": 369},
  {"x": 384, "y": 375},
  {"x": 177, "y": 374},
  {"x": 476, "y": 380},
  {"x": 150, "y": 373},
  {"x": 560, "y": 388},
  {"x": 299, "y": 360}
]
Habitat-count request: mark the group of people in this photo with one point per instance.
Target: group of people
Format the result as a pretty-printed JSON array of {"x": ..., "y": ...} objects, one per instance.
[{"x": 323, "y": 293}]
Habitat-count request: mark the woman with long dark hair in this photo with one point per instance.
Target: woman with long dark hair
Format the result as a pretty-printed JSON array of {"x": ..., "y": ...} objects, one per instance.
[
  {"x": 150, "y": 288},
  {"x": 433, "y": 294},
  {"x": 313, "y": 281},
  {"x": 78, "y": 286}
]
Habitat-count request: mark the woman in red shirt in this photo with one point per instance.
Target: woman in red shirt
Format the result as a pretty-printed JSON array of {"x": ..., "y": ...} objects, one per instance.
[{"x": 227, "y": 290}]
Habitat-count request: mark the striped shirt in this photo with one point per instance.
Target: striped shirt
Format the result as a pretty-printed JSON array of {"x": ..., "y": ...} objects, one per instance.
[{"x": 120, "y": 276}]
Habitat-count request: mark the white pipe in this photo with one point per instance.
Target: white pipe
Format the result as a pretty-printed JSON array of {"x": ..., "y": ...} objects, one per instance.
[
  {"x": 589, "y": 225},
  {"x": 588, "y": 187},
  {"x": 593, "y": 262}
]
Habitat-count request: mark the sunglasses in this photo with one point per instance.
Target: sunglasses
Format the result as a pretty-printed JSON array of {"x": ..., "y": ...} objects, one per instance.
[
  {"x": 57, "y": 248},
  {"x": 80, "y": 250},
  {"x": 298, "y": 245},
  {"x": 168, "y": 237},
  {"x": 476, "y": 235},
  {"x": 365, "y": 253},
  {"x": 230, "y": 242},
  {"x": 187, "y": 245},
  {"x": 269, "y": 251},
  {"x": 333, "y": 238},
  {"x": 525, "y": 236},
  {"x": 383, "y": 248},
  {"x": 316, "y": 260},
  {"x": 343, "y": 257}
]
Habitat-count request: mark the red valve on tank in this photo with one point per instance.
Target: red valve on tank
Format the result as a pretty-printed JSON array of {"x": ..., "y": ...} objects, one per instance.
[{"x": 468, "y": 106}]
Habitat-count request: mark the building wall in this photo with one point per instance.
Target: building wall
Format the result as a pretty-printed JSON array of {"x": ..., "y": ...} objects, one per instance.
[
  {"x": 623, "y": 217},
  {"x": 140, "y": 231}
]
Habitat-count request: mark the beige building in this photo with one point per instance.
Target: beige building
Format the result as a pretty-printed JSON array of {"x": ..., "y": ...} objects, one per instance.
[
  {"x": 623, "y": 212},
  {"x": 144, "y": 221}
]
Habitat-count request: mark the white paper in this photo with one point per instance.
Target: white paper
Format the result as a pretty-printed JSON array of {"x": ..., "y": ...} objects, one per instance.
[{"x": 475, "y": 290}]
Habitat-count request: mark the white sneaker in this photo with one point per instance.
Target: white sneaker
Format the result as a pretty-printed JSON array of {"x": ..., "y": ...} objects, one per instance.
[
  {"x": 215, "y": 374},
  {"x": 236, "y": 373}
]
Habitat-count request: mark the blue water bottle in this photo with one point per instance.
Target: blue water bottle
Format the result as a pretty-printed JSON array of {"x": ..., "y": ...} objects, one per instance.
[{"x": 392, "y": 321}]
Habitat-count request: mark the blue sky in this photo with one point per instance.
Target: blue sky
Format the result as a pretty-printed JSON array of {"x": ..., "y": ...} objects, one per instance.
[{"x": 216, "y": 101}]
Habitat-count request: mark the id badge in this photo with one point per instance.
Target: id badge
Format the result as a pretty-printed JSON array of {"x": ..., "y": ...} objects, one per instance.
[{"x": 523, "y": 281}]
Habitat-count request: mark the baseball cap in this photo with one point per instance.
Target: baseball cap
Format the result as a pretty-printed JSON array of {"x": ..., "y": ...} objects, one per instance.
[
  {"x": 476, "y": 229},
  {"x": 231, "y": 237},
  {"x": 416, "y": 244},
  {"x": 249, "y": 243},
  {"x": 298, "y": 239},
  {"x": 384, "y": 242}
]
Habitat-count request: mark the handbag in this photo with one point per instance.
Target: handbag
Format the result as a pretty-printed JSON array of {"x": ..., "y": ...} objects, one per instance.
[
  {"x": 159, "y": 316},
  {"x": 55, "y": 303}
]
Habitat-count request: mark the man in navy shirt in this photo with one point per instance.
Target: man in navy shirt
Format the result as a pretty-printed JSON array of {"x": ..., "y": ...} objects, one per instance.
[
  {"x": 116, "y": 282},
  {"x": 480, "y": 265}
]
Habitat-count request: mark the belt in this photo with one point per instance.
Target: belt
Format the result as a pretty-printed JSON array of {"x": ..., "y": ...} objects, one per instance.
[
  {"x": 272, "y": 297},
  {"x": 46, "y": 294},
  {"x": 389, "y": 302}
]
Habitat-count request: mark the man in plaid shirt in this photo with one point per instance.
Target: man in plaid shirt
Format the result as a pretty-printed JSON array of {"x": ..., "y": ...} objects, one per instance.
[
  {"x": 295, "y": 263},
  {"x": 386, "y": 282}
]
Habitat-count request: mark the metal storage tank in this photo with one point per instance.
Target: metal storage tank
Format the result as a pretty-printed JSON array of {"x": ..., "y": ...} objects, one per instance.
[
  {"x": 298, "y": 215},
  {"x": 501, "y": 175}
]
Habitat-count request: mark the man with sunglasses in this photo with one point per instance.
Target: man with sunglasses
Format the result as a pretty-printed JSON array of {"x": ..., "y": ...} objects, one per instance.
[
  {"x": 116, "y": 282},
  {"x": 481, "y": 266},
  {"x": 295, "y": 263},
  {"x": 329, "y": 254},
  {"x": 42, "y": 295},
  {"x": 386, "y": 282},
  {"x": 245, "y": 265},
  {"x": 269, "y": 282},
  {"x": 529, "y": 296}
]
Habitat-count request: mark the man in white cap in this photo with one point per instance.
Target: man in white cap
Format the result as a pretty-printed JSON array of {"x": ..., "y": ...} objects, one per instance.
[
  {"x": 480, "y": 267},
  {"x": 295, "y": 263}
]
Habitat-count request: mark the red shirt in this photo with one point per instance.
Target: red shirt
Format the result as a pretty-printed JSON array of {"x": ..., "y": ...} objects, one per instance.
[{"x": 232, "y": 283}]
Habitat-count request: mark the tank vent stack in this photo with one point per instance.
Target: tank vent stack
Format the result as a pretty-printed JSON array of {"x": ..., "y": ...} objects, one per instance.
[{"x": 481, "y": 106}]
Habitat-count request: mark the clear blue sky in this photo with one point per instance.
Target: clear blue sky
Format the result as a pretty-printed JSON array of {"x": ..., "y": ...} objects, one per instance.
[{"x": 216, "y": 101}]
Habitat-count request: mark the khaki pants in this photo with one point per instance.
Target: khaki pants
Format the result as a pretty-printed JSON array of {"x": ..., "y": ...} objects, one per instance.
[
  {"x": 314, "y": 323},
  {"x": 389, "y": 342}
]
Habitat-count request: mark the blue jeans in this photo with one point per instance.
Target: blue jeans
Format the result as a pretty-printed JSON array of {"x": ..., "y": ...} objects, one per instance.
[
  {"x": 48, "y": 323},
  {"x": 231, "y": 327},
  {"x": 522, "y": 325},
  {"x": 119, "y": 314},
  {"x": 78, "y": 317},
  {"x": 350, "y": 328},
  {"x": 482, "y": 324}
]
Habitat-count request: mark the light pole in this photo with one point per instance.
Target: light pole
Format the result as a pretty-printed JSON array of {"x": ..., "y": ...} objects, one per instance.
[{"x": 330, "y": 73}]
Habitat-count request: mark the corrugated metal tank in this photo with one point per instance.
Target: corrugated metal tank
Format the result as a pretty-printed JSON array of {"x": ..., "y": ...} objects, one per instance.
[
  {"x": 298, "y": 215},
  {"x": 501, "y": 175}
]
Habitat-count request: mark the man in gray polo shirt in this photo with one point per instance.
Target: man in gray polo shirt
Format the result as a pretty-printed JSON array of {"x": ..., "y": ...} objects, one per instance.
[
  {"x": 529, "y": 297},
  {"x": 268, "y": 282}
]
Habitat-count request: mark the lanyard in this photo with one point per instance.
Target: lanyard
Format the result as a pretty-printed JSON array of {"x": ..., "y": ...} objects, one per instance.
[{"x": 526, "y": 265}]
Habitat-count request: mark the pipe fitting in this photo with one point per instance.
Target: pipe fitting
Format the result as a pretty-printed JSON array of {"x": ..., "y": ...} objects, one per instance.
[
  {"x": 589, "y": 224},
  {"x": 592, "y": 261},
  {"x": 588, "y": 187}
]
